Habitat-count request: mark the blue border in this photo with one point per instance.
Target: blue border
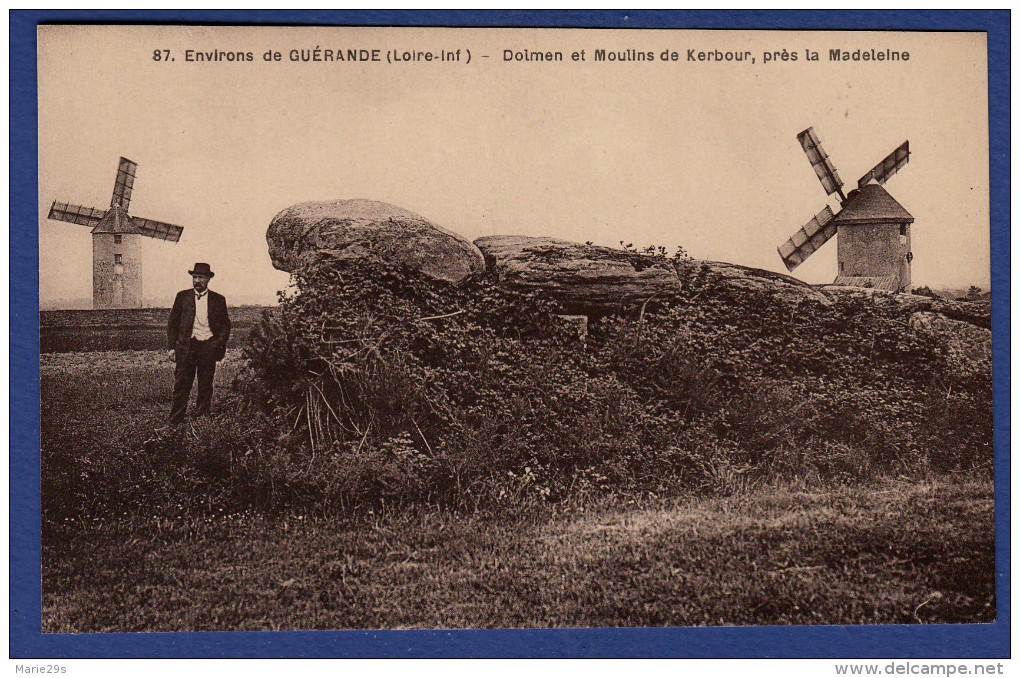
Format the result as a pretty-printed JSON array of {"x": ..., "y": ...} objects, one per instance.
[{"x": 26, "y": 641}]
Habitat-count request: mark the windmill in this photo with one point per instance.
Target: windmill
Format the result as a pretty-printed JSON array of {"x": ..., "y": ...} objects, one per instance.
[
  {"x": 116, "y": 242},
  {"x": 873, "y": 248}
]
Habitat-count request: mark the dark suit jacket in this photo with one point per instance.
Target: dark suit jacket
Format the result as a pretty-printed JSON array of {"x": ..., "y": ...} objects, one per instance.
[{"x": 182, "y": 322}]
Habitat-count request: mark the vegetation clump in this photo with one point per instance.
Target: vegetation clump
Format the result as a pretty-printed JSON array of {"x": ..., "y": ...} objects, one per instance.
[{"x": 373, "y": 386}]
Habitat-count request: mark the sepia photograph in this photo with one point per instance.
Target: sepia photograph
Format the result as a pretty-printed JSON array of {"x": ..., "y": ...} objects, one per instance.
[{"x": 352, "y": 328}]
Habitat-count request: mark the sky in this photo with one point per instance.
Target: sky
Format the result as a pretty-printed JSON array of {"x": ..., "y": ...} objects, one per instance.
[{"x": 700, "y": 154}]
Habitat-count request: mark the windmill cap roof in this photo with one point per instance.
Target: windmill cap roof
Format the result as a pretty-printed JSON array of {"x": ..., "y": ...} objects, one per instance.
[
  {"x": 872, "y": 204},
  {"x": 116, "y": 220}
]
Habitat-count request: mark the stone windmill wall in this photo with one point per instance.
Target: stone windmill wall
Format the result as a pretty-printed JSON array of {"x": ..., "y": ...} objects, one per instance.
[{"x": 116, "y": 270}]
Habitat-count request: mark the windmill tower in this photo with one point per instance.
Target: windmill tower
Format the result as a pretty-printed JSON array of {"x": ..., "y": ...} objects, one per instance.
[
  {"x": 116, "y": 242},
  {"x": 873, "y": 248}
]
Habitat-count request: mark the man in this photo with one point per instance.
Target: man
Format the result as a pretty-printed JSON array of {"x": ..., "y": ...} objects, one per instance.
[{"x": 197, "y": 334}]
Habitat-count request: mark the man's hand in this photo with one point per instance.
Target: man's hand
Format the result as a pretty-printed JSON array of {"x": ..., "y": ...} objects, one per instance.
[{"x": 171, "y": 355}]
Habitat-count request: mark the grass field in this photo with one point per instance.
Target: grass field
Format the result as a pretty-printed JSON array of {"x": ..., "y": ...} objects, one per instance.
[
  {"x": 906, "y": 553},
  {"x": 137, "y": 329},
  {"x": 893, "y": 550}
]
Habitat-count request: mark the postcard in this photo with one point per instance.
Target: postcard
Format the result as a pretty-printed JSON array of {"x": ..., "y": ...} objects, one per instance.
[{"x": 563, "y": 334}]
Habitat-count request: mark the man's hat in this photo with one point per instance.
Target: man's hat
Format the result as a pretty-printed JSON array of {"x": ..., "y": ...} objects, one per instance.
[{"x": 202, "y": 268}]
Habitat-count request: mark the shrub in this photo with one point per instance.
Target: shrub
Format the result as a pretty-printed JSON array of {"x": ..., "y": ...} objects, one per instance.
[
  {"x": 458, "y": 394},
  {"x": 372, "y": 387}
]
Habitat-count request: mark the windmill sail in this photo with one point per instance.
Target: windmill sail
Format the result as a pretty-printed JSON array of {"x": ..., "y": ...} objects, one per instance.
[
  {"x": 124, "y": 183},
  {"x": 76, "y": 214},
  {"x": 158, "y": 229},
  {"x": 888, "y": 167},
  {"x": 807, "y": 239},
  {"x": 820, "y": 163}
]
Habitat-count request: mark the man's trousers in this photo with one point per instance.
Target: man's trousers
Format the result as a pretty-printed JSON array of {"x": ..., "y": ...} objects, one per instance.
[{"x": 200, "y": 359}]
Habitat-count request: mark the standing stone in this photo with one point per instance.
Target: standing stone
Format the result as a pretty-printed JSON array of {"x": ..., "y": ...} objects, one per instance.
[{"x": 369, "y": 231}]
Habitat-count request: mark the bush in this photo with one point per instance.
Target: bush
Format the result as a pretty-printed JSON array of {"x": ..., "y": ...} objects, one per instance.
[
  {"x": 469, "y": 395},
  {"x": 372, "y": 387}
]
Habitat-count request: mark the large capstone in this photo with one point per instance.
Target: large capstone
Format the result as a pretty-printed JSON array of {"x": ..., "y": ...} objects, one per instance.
[
  {"x": 369, "y": 231},
  {"x": 584, "y": 279}
]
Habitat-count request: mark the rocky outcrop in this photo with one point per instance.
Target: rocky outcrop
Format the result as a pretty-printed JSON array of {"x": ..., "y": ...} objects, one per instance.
[
  {"x": 974, "y": 313},
  {"x": 584, "y": 279},
  {"x": 367, "y": 230}
]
